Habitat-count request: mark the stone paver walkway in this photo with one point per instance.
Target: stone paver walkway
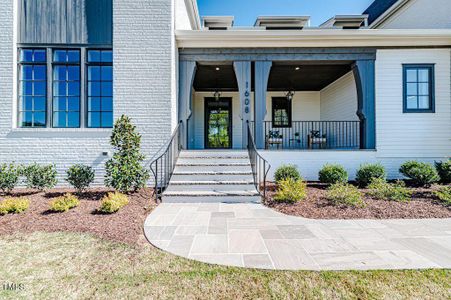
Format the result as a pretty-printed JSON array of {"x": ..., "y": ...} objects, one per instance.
[{"x": 252, "y": 235}]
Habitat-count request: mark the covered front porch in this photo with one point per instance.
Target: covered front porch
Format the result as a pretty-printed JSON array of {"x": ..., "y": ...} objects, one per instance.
[{"x": 297, "y": 99}]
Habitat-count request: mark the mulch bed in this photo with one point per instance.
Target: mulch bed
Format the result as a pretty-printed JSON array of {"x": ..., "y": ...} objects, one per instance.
[
  {"x": 423, "y": 205},
  {"x": 124, "y": 226}
]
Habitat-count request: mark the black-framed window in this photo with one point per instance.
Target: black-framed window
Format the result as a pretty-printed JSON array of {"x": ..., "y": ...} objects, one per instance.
[
  {"x": 100, "y": 89},
  {"x": 66, "y": 89},
  {"x": 419, "y": 88},
  {"x": 32, "y": 87},
  {"x": 281, "y": 112}
]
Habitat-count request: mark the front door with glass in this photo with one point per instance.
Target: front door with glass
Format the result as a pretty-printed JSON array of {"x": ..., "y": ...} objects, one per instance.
[{"x": 218, "y": 123}]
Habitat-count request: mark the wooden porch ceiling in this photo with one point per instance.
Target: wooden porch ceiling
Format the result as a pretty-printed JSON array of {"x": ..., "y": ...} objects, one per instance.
[{"x": 300, "y": 76}]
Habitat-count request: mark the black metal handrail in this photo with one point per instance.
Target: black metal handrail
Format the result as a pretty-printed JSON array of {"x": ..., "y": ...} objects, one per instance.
[
  {"x": 260, "y": 166},
  {"x": 301, "y": 135},
  {"x": 163, "y": 166}
]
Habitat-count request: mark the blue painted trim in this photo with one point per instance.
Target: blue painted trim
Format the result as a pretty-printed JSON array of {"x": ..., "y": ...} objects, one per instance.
[
  {"x": 243, "y": 76},
  {"x": 262, "y": 70},
  {"x": 431, "y": 68},
  {"x": 277, "y": 54},
  {"x": 187, "y": 71},
  {"x": 364, "y": 73}
]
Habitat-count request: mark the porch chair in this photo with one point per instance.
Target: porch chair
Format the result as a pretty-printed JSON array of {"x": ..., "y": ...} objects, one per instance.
[
  {"x": 273, "y": 138},
  {"x": 316, "y": 138}
]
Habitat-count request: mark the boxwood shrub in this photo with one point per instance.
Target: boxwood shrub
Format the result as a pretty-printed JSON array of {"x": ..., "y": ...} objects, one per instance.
[
  {"x": 287, "y": 171},
  {"x": 80, "y": 177},
  {"x": 9, "y": 177},
  {"x": 419, "y": 173},
  {"x": 64, "y": 203},
  {"x": 444, "y": 171},
  {"x": 290, "y": 190},
  {"x": 344, "y": 194},
  {"x": 112, "y": 202},
  {"x": 381, "y": 189},
  {"x": 40, "y": 177},
  {"x": 367, "y": 172},
  {"x": 333, "y": 174},
  {"x": 14, "y": 205},
  {"x": 444, "y": 195}
]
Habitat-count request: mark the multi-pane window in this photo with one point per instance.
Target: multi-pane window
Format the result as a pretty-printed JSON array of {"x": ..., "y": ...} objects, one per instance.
[
  {"x": 66, "y": 88},
  {"x": 32, "y": 87},
  {"x": 100, "y": 88},
  {"x": 418, "y": 88},
  {"x": 281, "y": 112}
]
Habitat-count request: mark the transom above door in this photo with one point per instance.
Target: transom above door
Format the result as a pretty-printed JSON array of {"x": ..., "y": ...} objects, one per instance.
[{"x": 218, "y": 123}]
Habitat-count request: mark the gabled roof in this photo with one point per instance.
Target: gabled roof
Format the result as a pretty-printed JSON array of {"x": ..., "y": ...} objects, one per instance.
[{"x": 378, "y": 8}]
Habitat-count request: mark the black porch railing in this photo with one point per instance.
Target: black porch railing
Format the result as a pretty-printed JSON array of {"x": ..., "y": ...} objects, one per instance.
[
  {"x": 163, "y": 166},
  {"x": 313, "y": 135},
  {"x": 260, "y": 166}
]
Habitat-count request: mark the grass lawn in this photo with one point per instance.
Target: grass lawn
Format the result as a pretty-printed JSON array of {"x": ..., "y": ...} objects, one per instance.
[{"x": 75, "y": 265}]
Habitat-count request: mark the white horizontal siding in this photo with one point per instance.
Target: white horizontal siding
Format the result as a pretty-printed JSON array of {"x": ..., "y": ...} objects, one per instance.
[
  {"x": 309, "y": 162},
  {"x": 412, "y": 134},
  {"x": 421, "y": 14},
  {"x": 305, "y": 105},
  {"x": 339, "y": 100}
]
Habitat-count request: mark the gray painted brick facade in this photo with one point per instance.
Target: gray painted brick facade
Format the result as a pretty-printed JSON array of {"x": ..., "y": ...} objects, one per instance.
[{"x": 142, "y": 90}]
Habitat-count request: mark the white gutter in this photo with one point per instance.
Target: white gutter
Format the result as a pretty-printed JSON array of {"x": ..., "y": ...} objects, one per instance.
[
  {"x": 313, "y": 38},
  {"x": 193, "y": 13}
]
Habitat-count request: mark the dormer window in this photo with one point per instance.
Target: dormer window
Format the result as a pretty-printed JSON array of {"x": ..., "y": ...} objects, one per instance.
[{"x": 283, "y": 23}]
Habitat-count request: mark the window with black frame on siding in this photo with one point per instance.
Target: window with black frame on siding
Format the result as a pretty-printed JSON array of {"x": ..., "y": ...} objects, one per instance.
[
  {"x": 32, "y": 88},
  {"x": 100, "y": 88},
  {"x": 79, "y": 93},
  {"x": 418, "y": 86},
  {"x": 281, "y": 112},
  {"x": 66, "y": 89}
]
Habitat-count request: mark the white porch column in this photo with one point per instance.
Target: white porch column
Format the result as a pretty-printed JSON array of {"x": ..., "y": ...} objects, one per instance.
[
  {"x": 243, "y": 77},
  {"x": 262, "y": 69}
]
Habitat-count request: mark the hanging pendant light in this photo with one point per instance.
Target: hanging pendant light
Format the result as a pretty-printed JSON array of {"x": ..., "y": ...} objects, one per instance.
[{"x": 217, "y": 95}]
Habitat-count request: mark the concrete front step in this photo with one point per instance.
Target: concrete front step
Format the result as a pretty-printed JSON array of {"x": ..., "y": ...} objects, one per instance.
[
  {"x": 215, "y": 163},
  {"x": 211, "y": 182},
  {"x": 215, "y": 154},
  {"x": 212, "y": 176},
  {"x": 210, "y": 187},
  {"x": 212, "y": 160},
  {"x": 236, "y": 193},
  {"x": 211, "y": 199},
  {"x": 183, "y": 168}
]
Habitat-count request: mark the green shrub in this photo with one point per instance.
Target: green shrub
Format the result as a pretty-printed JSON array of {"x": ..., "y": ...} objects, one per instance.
[
  {"x": 444, "y": 195},
  {"x": 367, "y": 172},
  {"x": 345, "y": 194},
  {"x": 9, "y": 177},
  {"x": 80, "y": 177},
  {"x": 113, "y": 202},
  {"x": 40, "y": 177},
  {"x": 381, "y": 189},
  {"x": 14, "y": 205},
  {"x": 444, "y": 171},
  {"x": 64, "y": 203},
  {"x": 124, "y": 171},
  {"x": 419, "y": 173},
  {"x": 290, "y": 190},
  {"x": 287, "y": 171},
  {"x": 333, "y": 174}
]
